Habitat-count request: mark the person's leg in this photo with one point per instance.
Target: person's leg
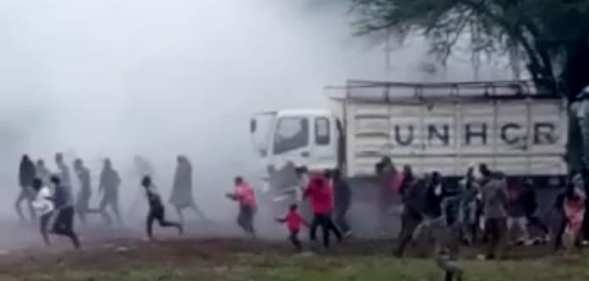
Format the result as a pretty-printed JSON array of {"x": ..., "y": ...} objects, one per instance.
[
  {"x": 198, "y": 211},
  {"x": 160, "y": 216},
  {"x": 522, "y": 224},
  {"x": 313, "y": 228},
  {"x": 294, "y": 239},
  {"x": 179, "y": 213},
  {"x": 491, "y": 228},
  {"x": 29, "y": 199},
  {"x": 325, "y": 230},
  {"x": 64, "y": 225},
  {"x": 250, "y": 220},
  {"x": 149, "y": 224},
  {"x": 115, "y": 208},
  {"x": 332, "y": 227},
  {"x": 411, "y": 222},
  {"x": 501, "y": 237},
  {"x": 341, "y": 221},
  {"x": 69, "y": 227},
  {"x": 44, "y": 223},
  {"x": 241, "y": 220},
  {"x": 17, "y": 204},
  {"x": 81, "y": 215},
  {"x": 534, "y": 220},
  {"x": 102, "y": 209},
  {"x": 560, "y": 233}
]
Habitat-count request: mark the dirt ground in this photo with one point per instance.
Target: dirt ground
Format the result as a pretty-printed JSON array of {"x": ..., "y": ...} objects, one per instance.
[{"x": 246, "y": 259}]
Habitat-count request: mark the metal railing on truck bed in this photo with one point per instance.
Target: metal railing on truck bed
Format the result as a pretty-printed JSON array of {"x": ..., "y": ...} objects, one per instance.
[{"x": 384, "y": 91}]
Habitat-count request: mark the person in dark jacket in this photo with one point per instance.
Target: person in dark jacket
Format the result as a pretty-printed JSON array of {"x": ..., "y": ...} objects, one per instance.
[
  {"x": 574, "y": 185},
  {"x": 64, "y": 222},
  {"x": 156, "y": 209},
  {"x": 530, "y": 203},
  {"x": 386, "y": 173},
  {"x": 412, "y": 215},
  {"x": 110, "y": 182},
  {"x": 182, "y": 197},
  {"x": 343, "y": 200},
  {"x": 436, "y": 192},
  {"x": 26, "y": 175}
]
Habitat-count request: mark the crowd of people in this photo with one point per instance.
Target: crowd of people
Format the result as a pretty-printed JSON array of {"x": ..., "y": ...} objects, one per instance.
[
  {"x": 51, "y": 201},
  {"x": 482, "y": 208}
]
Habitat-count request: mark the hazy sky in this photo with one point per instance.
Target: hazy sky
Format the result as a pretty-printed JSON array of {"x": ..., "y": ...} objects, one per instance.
[{"x": 116, "y": 78}]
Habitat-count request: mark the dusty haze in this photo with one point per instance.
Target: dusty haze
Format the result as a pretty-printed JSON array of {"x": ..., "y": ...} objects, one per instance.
[{"x": 158, "y": 78}]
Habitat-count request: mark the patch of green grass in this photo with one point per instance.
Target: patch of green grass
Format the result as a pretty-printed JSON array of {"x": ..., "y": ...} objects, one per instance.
[{"x": 316, "y": 268}]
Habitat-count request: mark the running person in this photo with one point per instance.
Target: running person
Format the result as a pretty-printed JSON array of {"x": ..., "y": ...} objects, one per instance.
[
  {"x": 320, "y": 193},
  {"x": 26, "y": 175},
  {"x": 85, "y": 192},
  {"x": 44, "y": 207},
  {"x": 245, "y": 195},
  {"x": 110, "y": 182},
  {"x": 157, "y": 211},
  {"x": 182, "y": 197},
  {"x": 294, "y": 221},
  {"x": 64, "y": 222}
]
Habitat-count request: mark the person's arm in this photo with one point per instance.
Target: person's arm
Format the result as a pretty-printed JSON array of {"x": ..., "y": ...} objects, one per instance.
[
  {"x": 305, "y": 223},
  {"x": 281, "y": 219}
]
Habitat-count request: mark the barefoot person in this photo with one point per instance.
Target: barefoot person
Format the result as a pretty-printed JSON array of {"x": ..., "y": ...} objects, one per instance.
[
  {"x": 181, "y": 197},
  {"x": 245, "y": 195},
  {"x": 157, "y": 211}
]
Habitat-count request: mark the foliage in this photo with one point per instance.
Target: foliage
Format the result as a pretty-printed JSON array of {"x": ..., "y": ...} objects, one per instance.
[{"x": 553, "y": 34}]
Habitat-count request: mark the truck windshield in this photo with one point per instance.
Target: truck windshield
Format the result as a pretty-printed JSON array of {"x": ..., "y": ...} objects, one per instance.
[{"x": 291, "y": 133}]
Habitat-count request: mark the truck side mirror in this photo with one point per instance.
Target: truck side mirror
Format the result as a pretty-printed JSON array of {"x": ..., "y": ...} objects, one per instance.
[{"x": 253, "y": 125}]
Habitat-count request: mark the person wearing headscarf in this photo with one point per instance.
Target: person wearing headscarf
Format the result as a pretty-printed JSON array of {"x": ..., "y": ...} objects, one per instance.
[{"x": 182, "y": 196}]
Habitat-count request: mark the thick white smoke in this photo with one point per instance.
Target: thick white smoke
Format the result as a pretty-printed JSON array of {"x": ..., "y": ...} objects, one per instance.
[{"x": 159, "y": 78}]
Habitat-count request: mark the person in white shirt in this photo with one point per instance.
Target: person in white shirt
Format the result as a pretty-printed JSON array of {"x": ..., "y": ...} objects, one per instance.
[{"x": 43, "y": 206}]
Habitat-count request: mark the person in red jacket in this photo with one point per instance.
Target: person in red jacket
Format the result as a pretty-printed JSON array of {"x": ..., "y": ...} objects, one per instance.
[
  {"x": 245, "y": 195},
  {"x": 320, "y": 193},
  {"x": 294, "y": 221}
]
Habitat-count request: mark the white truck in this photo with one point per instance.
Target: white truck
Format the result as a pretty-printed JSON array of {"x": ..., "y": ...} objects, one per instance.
[{"x": 431, "y": 126}]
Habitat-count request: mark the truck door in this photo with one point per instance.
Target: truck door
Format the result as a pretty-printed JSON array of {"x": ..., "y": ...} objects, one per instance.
[
  {"x": 324, "y": 141},
  {"x": 291, "y": 141}
]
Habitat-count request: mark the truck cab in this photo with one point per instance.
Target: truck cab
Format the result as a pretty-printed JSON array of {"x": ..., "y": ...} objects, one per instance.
[{"x": 297, "y": 138}]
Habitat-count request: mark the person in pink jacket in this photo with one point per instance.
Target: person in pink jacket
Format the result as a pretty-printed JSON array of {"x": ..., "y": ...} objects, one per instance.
[
  {"x": 320, "y": 193},
  {"x": 244, "y": 194}
]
